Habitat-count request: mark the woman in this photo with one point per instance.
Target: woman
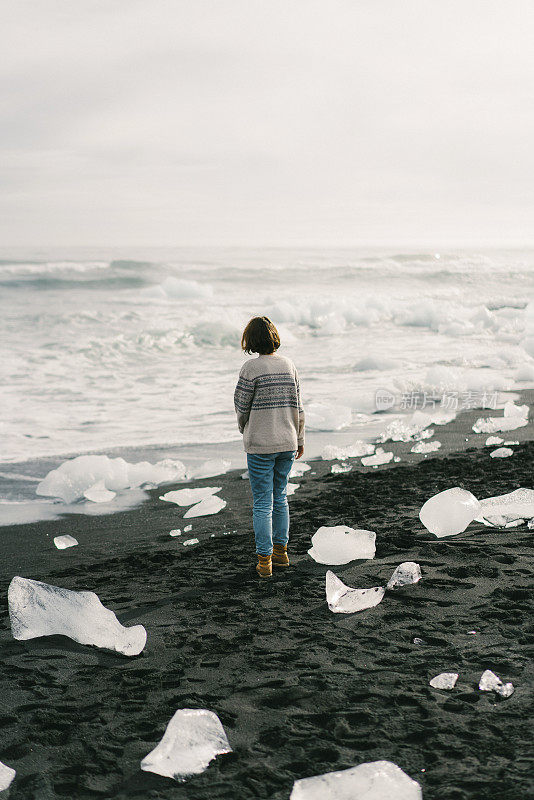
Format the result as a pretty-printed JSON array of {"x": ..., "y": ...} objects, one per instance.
[{"x": 271, "y": 418}]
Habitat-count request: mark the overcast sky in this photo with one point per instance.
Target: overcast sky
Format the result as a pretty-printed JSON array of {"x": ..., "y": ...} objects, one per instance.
[{"x": 168, "y": 122}]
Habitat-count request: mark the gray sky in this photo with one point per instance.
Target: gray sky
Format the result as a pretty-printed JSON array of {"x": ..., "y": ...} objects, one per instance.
[{"x": 168, "y": 122}]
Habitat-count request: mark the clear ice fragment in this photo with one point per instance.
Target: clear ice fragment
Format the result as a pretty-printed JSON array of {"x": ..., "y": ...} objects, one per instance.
[
  {"x": 190, "y": 541},
  {"x": 489, "y": 682},
  {"x": 175, "y": 532},
  {"x": 493, "y": 440},
  {"x": 210, "y": 505},
  {"x": 406, "y": 573},
  {"x": 38, "y": 609},
  {"x": 449, "y": 512},
  {"x": 298, "y": 469},
  {"x": 188, "y": 528},
  {"x": 339, "y": 469},
  {"x": 380, "y": 457},
  {"x": 374, "y": 780},
  {"x": 501, "y": 452},
  {"x": 496, "y": 424},
  {"x": 426, "y": 447},
  {"x": 62, "y": 542},
  {"x": 193, "y": 738},
  {"x": 343, "y": 599},
  {"x": 6, "y": 776},
  {"x": 504, "y": 508},
  {"x": 188, "y": 497},
  {"x": 445, "y": 680},
  {"x": 291, "y": 488},
  {"x": 341, "y": 544}
]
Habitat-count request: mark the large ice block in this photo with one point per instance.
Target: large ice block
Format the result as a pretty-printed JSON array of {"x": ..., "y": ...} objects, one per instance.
[
  {"x": 498, "y": 424},
  {"x": 39, "y": 609},
  {"x": 406, "y": 573},
  {"x": 373, "y": 780},
  {"x": 504, "y": 508},
  {"x": 489, "y": 682},
  {"x": 210, "y": 505},
  {"x": 188, "y": 497},
  {"x": 445, "y": 680},
  {"x": 449, "y": 512},
  {"x": 343, "y": 599},
  {"x": 192, "y": 739},
  {"x": 341, "y": 544},
  {"x": 6, "y": 776}
]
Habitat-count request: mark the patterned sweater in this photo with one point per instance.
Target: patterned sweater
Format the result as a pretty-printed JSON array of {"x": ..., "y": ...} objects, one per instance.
[{"x": 267, "y": 402}]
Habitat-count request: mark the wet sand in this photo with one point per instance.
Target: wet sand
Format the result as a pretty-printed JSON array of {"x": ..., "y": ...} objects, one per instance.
[{"x": 299, "y": 690}]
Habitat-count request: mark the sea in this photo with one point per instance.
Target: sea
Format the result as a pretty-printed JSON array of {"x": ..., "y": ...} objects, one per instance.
[{"x": 135, "y": 352}]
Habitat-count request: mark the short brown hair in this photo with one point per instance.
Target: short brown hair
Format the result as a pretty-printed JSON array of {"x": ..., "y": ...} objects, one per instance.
[{"x": 260, "y": 336}]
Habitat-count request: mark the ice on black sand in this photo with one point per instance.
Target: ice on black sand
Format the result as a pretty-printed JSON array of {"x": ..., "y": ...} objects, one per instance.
[
  {"x": 445, "y": 680},
  {"x": 489, "y": 682},
  {"x": 505, "y": 508},
  {"x": 406, "y": 573},
  {"x": 6, "y": 776},
  {"x": 449, "y": 512},
  {"x": 210, "y": 505},
  {"x": 189, "y": 497},
  {"x": 374, "y": 780},
  {"x": 502, "y": 452},
  {"x": 192, "y": 739},
  {"x": 39, "y": 609},
  {"x": 340, "y": 544},
  {"x": 62, "y": 542},
  {"x": 342, "y": 599}
]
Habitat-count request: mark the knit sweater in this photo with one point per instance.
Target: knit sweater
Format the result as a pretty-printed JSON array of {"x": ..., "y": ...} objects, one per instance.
[{"x": 267, "y": 402}]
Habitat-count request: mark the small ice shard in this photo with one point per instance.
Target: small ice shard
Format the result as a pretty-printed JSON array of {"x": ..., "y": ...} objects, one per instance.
[
  {"x": 449, "y": 512},
  {"x": 509, "y": 444},
  {"x": 380, "y": 457},
  {"x": 97, "y": 493},
  {"x": 343, "y": 599},
  {"x": 190, "y": 541},
  {"x": 504, "y": 508},
  {"x": 192, "y": 739},
  {"x": 291, "y": 488},
  {"x": 339, "y": 469},
  {"x": 188, "y": 497},
  {"x": 373, "y": 780},
  {"x": 298, "y": 469},
  {"x": 175, "y": 532},
  {"x": 359, "y": 448},
  {"x": 511, "y": 410},
  {"x": 406, "y": 573},
  {"x": 489, "y": 682},
  {"x": 62, "y": 542},
  {"x": 496, "y": 424},
  {"x": 417, "y": 640},
  {"x": 341, "y": 544},
  {"x": 38, "y": 609},
  {"x": 210, "y": 505},
  {"x": 501, "y": 452},
  {"x": 244, "y": 475},
  {"x": 188, "y": 528},
  {"x": 6, "y": 776},
  {"x": 210, "y": 468},
  {"x": 445, "y": 680},
  {"x": 425, "y": 447},
  {"x": 491, "y": 440},
  {"x": 472, "y": 633}
]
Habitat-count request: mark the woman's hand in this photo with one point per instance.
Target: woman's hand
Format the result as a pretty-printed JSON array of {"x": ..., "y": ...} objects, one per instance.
[{"x": 300, "y": 451}]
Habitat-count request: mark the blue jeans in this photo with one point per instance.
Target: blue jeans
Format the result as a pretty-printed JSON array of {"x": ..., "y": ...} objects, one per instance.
[{"x": 268, "y": 474}]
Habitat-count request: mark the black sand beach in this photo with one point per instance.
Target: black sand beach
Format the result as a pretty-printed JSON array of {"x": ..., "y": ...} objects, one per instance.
[{"x": 299, "y": 690}]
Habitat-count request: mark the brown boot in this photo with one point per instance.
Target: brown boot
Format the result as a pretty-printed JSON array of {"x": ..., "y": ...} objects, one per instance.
[
  {"x": 280, "y": 558},
  {"x": 264, "y": 566}
]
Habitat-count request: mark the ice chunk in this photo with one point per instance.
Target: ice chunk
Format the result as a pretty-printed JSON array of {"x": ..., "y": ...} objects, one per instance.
[
  {"x": 6, "y": 776},
  {"x": 175, "y": 532},
  {"x": 489, "y": 682},
  {"x": 210, "y": 505},
  {"x": 210, "y": 468},
  {"x": 72, "y": 479},
  {"x": 342, "y": 599},
  {"x": 359, "y": 448},
  {"x": 244, "y": 475},
  {"x": 373, "y": 780},
  {"x": 341, "y": 544},
  {"x": 188, "y": 528},
  {"x": 189, "y": 542},
  {"x": 426, "y": 447},
  {"x": 406, "y": 573},
  {"x": 338, "y": 469},
  {"x": 323, "y": 417},
  {"x": 445, "y": 680},
  {"x": 511, "y": 410},
  {"x": 291, "y": 488},
  {"x": 38, "y": 609},
  {"x": 402, "y": 430},
  {"x": 298, "y": 469},
  {"x": 530, "y": 523},
  {"x": 495, "y": 424},
  {"x": 188, "y": 497},
  {"x": 504, "y": 508},
  {"x": 491, "y": 440},
  {"x": 192, "y": 739},
  {"x": 507, "y": 444},
  {"x": 502, "y": 452},
  {"x": 449, "y": 512},
  {"x": 62, "y": 542},
  {"x": 97, "y": 493},
  {"x": 380, "y": 457}
]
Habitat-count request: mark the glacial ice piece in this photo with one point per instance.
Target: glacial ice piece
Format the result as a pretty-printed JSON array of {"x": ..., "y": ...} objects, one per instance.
[
  {"x": 244, "y": 475},
  {"x": 510, "y": 444},
  {"x": 210, "y": 468},
  {"x": 188, "y": 497},
  {"x": 72, "y": 479},
  {"x": 501, "y": 452},
  {"x": 323, "y": 417},
  {"x": 291, "y": 488},
  {"x": 6, "y": 776},
  {"x": 339, "y": 469},
  {"x": 210, "y": 505},
  {"x": 505, "y": 508},
  {"x": 188, "y": 528},
  {"x": 530, "y": 523},
  {"x": 373, "y": 780},
  {"x": 380, "y": 457},
  {"x": 62, "y": 542},
  {"x": 343, "y": 599},
  {"x": 341, "y": 544},
  {"x": 175, "y": 532},
  {"x": 406, "y": 573},
  {"x": 97, "y": 493},
  {"x": 298, "y": 469},
  {"x": 496, "y": 424},
  {"x": 445, "y": 680},
  {"x": 189, "y": 542},
  {"x": 403, "y": 430},
  {"x": 489, "y": 682},
  {"x": 38, "y": 609},
  {"x": 493, "y": 440},
  {"x": 511, "y": 410},
  {"x": 193, "y": 738},
  {"x": 359, "y": 448},
  {"x": 449, "y": 512},
  {"x": 425, "y": 447}
]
